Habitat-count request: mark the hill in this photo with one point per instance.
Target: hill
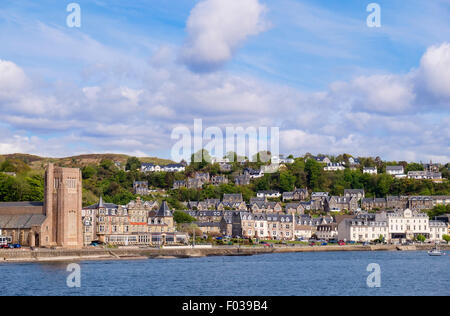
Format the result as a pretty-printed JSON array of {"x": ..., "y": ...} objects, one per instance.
[{"x": 38, "y": 163}]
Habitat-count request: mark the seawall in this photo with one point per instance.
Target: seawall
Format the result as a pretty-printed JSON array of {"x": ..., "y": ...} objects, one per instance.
[{"x": 49, "y": 255}]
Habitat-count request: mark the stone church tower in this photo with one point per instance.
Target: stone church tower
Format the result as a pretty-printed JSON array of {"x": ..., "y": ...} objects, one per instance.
[{"x": 62, "y": 207}]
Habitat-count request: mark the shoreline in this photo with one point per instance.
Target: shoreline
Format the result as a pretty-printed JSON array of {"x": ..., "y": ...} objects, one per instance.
[{"x": 89, "y": 254}]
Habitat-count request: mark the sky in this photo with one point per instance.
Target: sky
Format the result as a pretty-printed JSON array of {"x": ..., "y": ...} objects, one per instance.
[{"x": 135, "y": 71}]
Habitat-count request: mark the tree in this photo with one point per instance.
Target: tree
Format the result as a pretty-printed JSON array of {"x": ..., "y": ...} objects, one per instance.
[
  {"x": 314, "y": 171},
  {"x": 414, "y": 167},
  {"x": 287, "y": 181},
  {"x": 88, "y": 172},
  {"x": 133, "y": 163},
  {"x": 421, "y": 238},
  {"x": 446, "y": 238},
  {"x": 14, "y": 165},
  {"x": 200, "y": 159},
  {"x": 182, "y": 218}
]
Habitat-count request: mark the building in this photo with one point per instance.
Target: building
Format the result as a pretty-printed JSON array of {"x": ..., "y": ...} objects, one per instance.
[
  {"x": 150, "y": 167},
  {"x": 407, "y": 225},
  {"x": 395, "y": 170},
  {"x": 420, "y": 202},
  {"x": 441, "y": 200},
  {"x": 334, "y": 166},
  {"x": 318, "y": 200},
  {"x": 370, "y": 170},
  {"x": 140, "y": 187},
  {"x": 432, "y": 167},
  {"x": 254, "y": 174},
  {"x": 54, "y": 223},
  {"x": 363, "y": 229},
  {"x": 268, "y": 194},
  {"x": 369, "y": 204},
  {"x": 218, "y": 180},
  {"x": 437, "y": 230},
  {"x": 340, "y": 203},
  {"x": 357, "y": 193},
  {"x": 225, "y": 167},
  {"x": 296, "y": 195},
  {"x": 232, "y": 198},
  {"x": 242, "y": 180},
  {"x": 425, "y": 175},
  {"x": 137, "y": 223},
  {"x": 322, "y": 159}
]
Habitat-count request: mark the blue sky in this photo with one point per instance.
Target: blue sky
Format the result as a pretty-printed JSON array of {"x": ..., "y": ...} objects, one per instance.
[{"x": 134, "y": 71}]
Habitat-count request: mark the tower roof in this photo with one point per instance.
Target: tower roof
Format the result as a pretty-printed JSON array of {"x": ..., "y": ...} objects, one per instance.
[{"x": 164, "y": 210}]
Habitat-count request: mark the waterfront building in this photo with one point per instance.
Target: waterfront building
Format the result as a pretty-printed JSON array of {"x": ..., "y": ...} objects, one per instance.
[
  {"x": 363, "y": 229},
  {"x": 54, "y": 223},
  {"x": 407, "y": 225},
  {"x": 137, "y": 223},
  {"x": 437, "y": 230}
]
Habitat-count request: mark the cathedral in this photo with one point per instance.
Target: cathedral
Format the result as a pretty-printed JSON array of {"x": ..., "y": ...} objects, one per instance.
[{"x": 55, "y": 223}]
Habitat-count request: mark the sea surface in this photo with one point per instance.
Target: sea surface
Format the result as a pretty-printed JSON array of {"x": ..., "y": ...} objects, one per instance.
[{"x": 325, "y": 273}]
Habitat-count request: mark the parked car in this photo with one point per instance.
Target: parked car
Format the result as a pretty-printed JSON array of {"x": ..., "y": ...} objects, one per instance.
[
  {"x": 341, "y": 243},
  {"x": 96, "y": 243},
  {"x": 312, "y": 243},
  {"x": 16, "y": 246},
  {"x": 324, "y": 243}
]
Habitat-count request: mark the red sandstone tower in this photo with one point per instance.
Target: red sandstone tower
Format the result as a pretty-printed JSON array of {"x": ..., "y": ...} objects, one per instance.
[{"x": 62, "y": 206}]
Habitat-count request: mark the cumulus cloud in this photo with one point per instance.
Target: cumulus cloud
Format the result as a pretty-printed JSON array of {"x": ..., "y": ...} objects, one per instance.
[
  {"x": 435, "y": 71},
  {"x": 12, "y": 78},
  {"x": 216, "y": 29}
]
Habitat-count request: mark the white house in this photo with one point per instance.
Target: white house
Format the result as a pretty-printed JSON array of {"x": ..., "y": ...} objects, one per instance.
[
  {"x": 268, "y": 194},
  {"x": 395, "y": 170},
  {"x": 370, "y": 170},
  {"x": 424, "y": 175},
  {"x": 407, "y": 225},
  {"x": 437, "y": 230},
  {"x": 363, "y": 230},
  {"x": 334, "y": 167}
]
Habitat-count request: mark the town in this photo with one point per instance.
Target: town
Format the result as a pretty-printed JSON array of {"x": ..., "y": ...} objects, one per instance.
[{"x": 153, "y": 216}]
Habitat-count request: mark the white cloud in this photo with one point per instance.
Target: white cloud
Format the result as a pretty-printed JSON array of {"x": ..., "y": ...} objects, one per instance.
[
  {"x": 216, "y": 29},
  {"x": 12, "y": 78},
  {"x": 435, "y": 69}
]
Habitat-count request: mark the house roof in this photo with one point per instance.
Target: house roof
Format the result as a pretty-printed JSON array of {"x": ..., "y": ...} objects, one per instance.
[{"x": 394, "y": 168}]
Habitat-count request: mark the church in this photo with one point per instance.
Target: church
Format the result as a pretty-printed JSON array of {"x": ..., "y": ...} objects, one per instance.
[{"x": 54, "y": 223}]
